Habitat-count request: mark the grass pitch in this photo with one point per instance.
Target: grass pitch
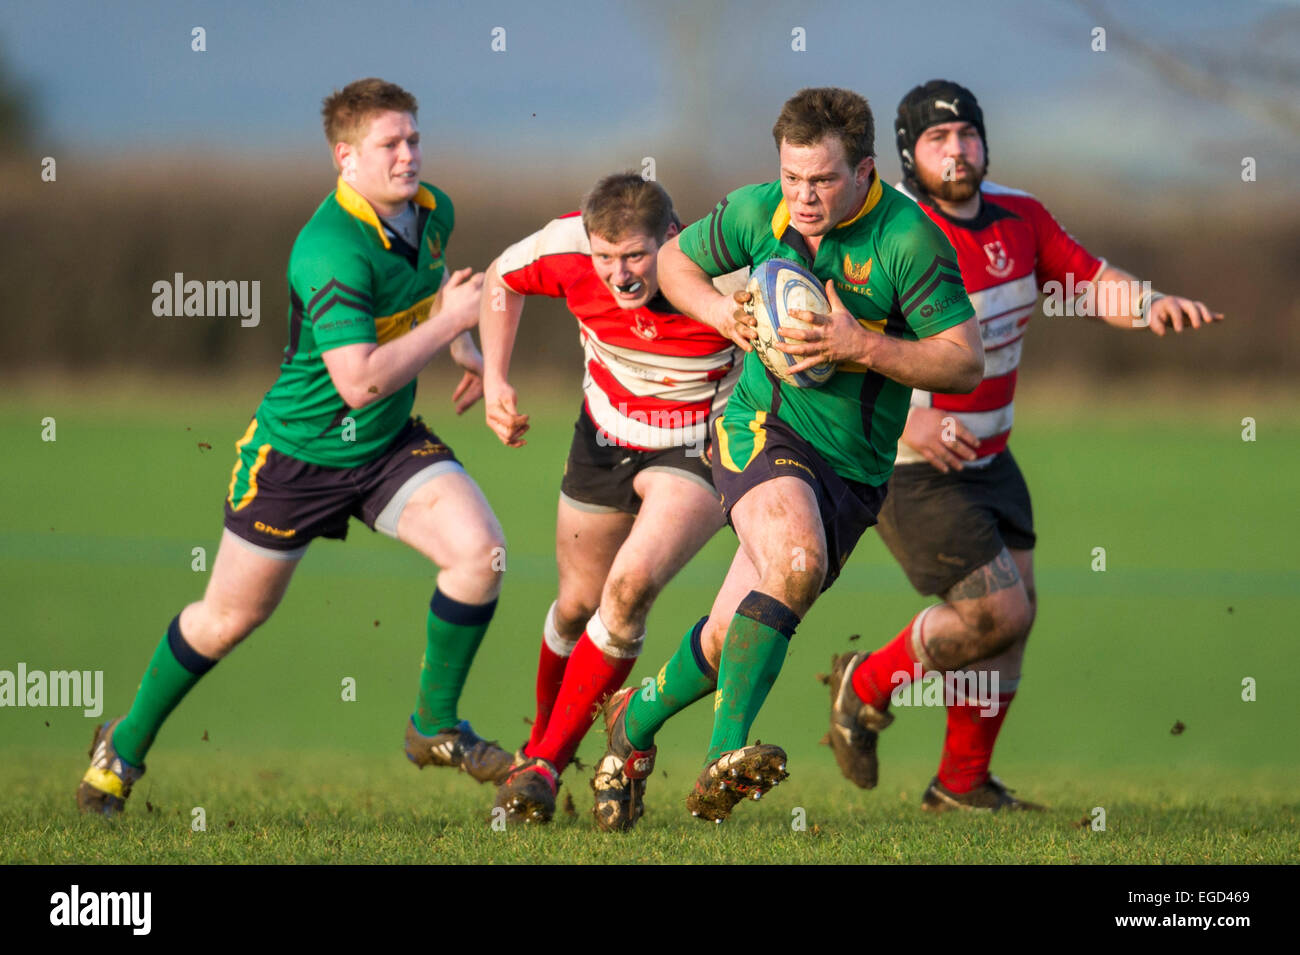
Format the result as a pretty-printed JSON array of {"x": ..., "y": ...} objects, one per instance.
[{"x": 1199, "y": 594}]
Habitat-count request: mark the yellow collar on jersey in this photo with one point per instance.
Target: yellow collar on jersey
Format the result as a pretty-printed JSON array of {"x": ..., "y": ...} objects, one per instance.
[
  {"x": 355, "y": 204},
  {"x": 781, "y": 218}
]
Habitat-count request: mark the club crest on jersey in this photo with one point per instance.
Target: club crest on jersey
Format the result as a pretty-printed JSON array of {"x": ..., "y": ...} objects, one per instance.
[
  {"x": 857, "y": 274},
  {"x": 435, "y": 249},
  {"x": 1000, "y": 265},
  {"x": 644, "y": 327}
]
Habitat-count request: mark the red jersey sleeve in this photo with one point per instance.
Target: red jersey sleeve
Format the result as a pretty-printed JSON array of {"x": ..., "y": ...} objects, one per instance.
[
  {"x": 1059, "y": 252},
  {"x": 548, "y": 261}
]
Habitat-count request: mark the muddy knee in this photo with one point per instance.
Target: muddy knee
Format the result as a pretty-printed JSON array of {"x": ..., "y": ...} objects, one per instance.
[
  {"x": 624, "y": 645},
  {"x": 627, "y": 600},
  {"x": 800, "y": 584}
]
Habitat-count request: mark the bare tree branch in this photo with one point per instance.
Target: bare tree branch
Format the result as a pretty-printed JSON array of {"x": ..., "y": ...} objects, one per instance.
[{"x": 1200, "y": 80}]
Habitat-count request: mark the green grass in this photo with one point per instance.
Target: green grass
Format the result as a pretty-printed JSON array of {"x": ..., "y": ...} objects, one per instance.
[
  {"x": 323, "y": 806},
  {"x": 1200, "y": 591}
]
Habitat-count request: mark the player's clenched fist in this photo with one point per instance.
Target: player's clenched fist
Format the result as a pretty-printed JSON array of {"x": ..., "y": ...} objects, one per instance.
[
  {"x": 503, "y": 415},
  {"x": 460, "y": 297},
  {"x": 735, "y": 321},
  {"x": 942, "y": 439}
]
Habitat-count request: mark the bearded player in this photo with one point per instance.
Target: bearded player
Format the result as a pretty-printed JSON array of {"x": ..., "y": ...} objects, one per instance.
[
  {"x": 958, "y": 516},
  {"x": 637, "y": 498},
  {"x": 334, "y": 438},
  {"x": 802, "y": 471}
]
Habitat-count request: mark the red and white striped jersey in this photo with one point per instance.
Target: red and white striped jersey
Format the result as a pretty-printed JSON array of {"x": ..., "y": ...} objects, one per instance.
[
  {"x": 653, "y": 376},
  {"x": 1006, "y": 254}
]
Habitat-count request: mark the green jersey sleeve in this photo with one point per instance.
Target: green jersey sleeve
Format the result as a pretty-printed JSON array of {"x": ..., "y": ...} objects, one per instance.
[
  {"x": 335, "y": 284},
  {"x": 924, "y": 266},
  {"x": 723, "y": 241}
]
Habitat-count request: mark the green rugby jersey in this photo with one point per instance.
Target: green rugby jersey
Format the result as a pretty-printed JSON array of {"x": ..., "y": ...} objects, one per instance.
[
  {"x": 895, "y": 272},
  {"x": 349, "y": 283}
]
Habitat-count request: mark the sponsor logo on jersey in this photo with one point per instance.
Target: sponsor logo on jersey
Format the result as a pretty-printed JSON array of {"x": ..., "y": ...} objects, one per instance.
[
  {"x": 388, "y": 327},
  {"x": 1000, "y": 265},
  {"x": 429, "y": 448},
  {"x": 940, "y": 305}
]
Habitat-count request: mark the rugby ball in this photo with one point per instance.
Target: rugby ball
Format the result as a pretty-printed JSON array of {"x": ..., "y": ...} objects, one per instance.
[{"x": 777, "y": 288}]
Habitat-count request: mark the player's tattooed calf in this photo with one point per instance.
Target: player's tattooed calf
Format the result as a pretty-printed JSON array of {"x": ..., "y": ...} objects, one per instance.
[{"x": 998, "y": 574}]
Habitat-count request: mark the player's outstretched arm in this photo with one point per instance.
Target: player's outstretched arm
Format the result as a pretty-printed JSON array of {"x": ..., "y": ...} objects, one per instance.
[
  {"x": 691, "y": 290},
  {"x": 366, "y": 372},
  {"x": 1122, "y": 302},
  {"x": 951, "y": 361},
  {"x": 499, "y": 313}
]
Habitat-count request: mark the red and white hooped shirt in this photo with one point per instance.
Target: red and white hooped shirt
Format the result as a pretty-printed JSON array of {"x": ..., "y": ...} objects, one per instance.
[
  {"x": 653, "y": 376},
  {"x": 1006, "y": 254}
]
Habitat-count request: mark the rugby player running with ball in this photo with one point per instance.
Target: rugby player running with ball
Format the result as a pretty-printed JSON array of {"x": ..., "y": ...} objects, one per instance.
[{"x": 802, "y": 471}]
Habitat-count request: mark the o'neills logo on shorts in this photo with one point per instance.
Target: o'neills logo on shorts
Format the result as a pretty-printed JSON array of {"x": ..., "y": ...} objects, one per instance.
[
  {"x": 779, "y": 462},
  {"x": 274, "y": 531}
]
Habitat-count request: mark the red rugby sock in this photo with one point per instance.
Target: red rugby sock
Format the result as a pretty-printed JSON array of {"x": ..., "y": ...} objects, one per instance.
[
  {"x": 877, "y": 676},
  {"x": 968, "y": 743},
  {"x": 589, "y": 679},
  {"x": 550, "y": 675}
]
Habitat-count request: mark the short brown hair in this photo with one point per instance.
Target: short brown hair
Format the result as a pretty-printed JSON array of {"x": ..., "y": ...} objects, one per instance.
[
  {"x": 812, "y": 114},
  {"x": 347, "y": 112},
  {"x": 625, "y": 203}
]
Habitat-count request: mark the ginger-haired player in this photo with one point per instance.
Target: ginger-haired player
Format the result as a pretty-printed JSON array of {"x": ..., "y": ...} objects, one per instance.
[{"x": 370, "y": 304}]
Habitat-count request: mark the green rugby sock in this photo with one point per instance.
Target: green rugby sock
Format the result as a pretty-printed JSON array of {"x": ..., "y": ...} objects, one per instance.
[
  {"x": 175, "y": 668},
  {"x": 455, "y": 632},
  {"x": 752, "y": 656},
  {"x": 685, "y": 678}
]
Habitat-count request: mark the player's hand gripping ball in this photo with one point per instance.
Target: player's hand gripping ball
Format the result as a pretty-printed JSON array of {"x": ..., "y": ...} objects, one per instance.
[{"x": 777, "y": 288}]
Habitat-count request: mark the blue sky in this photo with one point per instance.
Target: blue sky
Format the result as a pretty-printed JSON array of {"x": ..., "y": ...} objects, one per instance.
[{"x": 633, "y": 77}]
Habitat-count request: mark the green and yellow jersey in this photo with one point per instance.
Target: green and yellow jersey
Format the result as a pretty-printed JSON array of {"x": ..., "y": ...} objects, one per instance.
[
  {"x": 350, "y": 281},
  {"x": 896, "y": 273}
]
